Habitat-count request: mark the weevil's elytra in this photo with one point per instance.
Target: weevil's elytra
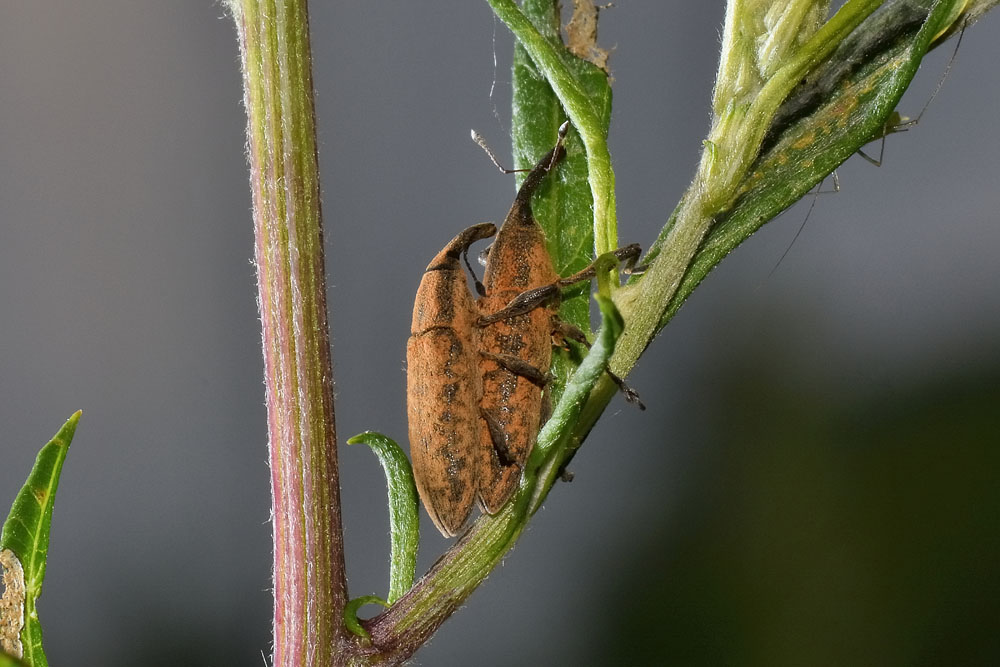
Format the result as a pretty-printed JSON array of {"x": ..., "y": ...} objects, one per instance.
[
  {"x": 444, "y": 386},
  {"x": 512, "y": 401}
]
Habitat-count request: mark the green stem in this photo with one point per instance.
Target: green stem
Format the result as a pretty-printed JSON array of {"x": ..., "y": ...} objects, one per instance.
[
  {"x": 309, "y": 583},
  {"x": 411, "y": 621},
  {"x": 398, "y": 632}
]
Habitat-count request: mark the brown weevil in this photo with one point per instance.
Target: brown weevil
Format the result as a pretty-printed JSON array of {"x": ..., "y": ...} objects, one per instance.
[
  {"x": 477, "y": 371},
  {"x": 443, "y": 386},
  {"x": 519, "y": 322},
  {"x": 516, "y": 351}
]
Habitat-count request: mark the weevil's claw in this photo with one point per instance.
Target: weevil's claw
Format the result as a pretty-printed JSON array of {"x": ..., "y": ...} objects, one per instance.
[
  {"x": 635, "y": 270},
  {"x": 632, "y": 396}
]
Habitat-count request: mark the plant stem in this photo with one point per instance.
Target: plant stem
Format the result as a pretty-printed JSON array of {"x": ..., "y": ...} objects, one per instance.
[{"x": 309, "y": 585}]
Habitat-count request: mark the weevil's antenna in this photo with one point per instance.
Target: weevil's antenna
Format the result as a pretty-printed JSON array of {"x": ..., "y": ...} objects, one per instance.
[
  {"x": 480, "y": 289},
  {"x": 478, "y": 138},
  {"x": 561, "y": 137}
]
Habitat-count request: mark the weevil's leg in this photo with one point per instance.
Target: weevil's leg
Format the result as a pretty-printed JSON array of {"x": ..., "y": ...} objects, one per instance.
[
  {"x": 630, "y": 268},
  {"x": 572, "y": 332},
  {"x": 498, "y": 437},
  {"x": 523, "y": 303},
  {"x": 628, "y": 254},
  {"x": 630, "y": 394},
  {"x": 546, "y": 407},
  {"x": 534, "y": 298},
  {"x": 567, "y": 330},
  {"x": 519, "y": 367}
]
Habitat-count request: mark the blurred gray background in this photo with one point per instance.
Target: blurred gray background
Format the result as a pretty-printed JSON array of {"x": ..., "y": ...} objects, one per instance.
[{"x": 814, "y": 479}]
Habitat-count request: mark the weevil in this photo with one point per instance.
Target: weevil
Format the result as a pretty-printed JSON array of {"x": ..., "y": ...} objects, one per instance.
[
  {"x": 519, "y": 322},
  {"x": 443, "y": 385},
  {"x": 516, "y": 351},
  {"x": 477, "y": 371}
]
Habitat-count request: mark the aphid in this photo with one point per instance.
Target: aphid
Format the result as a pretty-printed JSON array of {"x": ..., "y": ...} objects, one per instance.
[
  {"x": 896, "y": 122},
  {"x": 443, "y": 386}
]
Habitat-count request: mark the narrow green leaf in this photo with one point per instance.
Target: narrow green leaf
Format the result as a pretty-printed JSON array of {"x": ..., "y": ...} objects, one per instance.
[
  {"x": 841, "y": 107},
  {"x": 26, "y": 533},
  {"x": 564, "y": 206},
  {"x": 351, "y": 621},
  {"x": 404, "y": 521}
]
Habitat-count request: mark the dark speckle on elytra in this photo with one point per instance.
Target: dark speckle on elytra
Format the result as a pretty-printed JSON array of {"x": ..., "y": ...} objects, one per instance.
[
  {"x": 449, "y": 392},
  {"x": 507, "y": 387},
  {"x": 511, "y": 343}
]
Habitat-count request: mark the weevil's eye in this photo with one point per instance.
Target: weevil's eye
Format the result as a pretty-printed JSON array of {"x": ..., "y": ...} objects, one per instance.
[{"x": 484, "y": 256}]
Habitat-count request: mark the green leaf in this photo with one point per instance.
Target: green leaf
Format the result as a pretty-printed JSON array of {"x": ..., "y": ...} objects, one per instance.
[
  {"x": 26, "y": 533},
  {"x": 841, "y": 107},
  {"x": 10, "y": 661},
  {"x": 564, "y": 204},
  {"x": 351, "y": 621},
  {"x": 404, "y": 521}
]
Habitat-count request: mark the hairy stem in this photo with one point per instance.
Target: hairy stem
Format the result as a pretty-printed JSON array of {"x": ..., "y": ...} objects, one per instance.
[{"x": 309, "y": 583}]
